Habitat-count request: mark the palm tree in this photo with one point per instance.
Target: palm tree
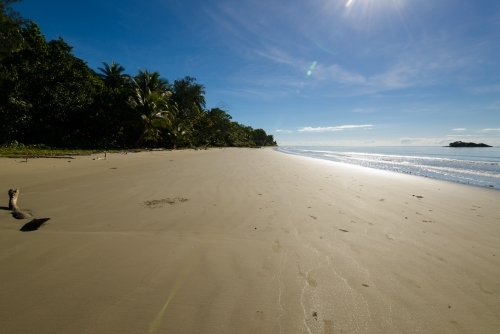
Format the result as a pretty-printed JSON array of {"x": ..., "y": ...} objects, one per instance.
[
  {"x": 112, "y": 75},
  {"x": 150, "y": 101},
  {"x": 175, "y": 128}
]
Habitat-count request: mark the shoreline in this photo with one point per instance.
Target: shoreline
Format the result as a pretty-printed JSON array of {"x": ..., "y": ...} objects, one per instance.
[
  {"x": 394, "y": 171},
  {"x": 245, "y": 240}
]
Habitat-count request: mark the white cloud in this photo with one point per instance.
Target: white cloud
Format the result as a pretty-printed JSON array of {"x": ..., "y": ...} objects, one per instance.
[
  {"x": 319, "y": 129},
  {"x": 458, "y": 136},
  {"x": 285, "y": 131},
  {"x": 460, "y": 129},
  {"x": 333, "y": 128},
  {"x": 491, "y": 129}
]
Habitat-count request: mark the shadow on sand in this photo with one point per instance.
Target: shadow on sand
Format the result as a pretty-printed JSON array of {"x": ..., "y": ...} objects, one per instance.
[{"x": 33, "y": 225}]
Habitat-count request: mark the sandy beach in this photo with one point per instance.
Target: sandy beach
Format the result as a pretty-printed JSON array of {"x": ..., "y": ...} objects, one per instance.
[{"x": 244, "y": 241}]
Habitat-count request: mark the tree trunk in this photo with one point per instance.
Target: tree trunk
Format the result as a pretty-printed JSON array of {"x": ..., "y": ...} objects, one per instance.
[{"x": 141, "y": 137}]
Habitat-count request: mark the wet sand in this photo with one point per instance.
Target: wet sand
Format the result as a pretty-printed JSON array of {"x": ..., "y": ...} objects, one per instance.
[{"x": 244, "y": 241}]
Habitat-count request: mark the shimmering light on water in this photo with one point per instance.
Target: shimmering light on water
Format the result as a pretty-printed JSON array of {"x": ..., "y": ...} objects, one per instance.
[{"x": 476, "y": 166}]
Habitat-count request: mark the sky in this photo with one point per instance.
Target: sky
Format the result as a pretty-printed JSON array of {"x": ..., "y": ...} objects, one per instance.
[{"x": 309, "y": 72}]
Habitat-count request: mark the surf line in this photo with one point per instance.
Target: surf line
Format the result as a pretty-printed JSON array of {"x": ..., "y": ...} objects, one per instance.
[{"x": 180, "y": 280}]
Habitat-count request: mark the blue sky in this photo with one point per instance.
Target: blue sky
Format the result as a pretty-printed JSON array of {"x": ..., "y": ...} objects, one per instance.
[{"x": 315, "y": 72}]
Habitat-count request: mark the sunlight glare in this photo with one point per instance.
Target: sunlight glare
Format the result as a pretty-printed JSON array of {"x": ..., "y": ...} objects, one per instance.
[{"x": 349, "y": 3}]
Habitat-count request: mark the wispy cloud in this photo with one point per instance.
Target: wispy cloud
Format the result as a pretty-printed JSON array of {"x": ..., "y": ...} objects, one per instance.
[
  {"x": 334, "y": 128},
  {"x": 486, "y": 89},
  {"x": 283, "y": 131},
  {"x": 491, "y": 129},
  {"x": 459, "y": 129},
  {"x": 458, "y": 136},
  {"x": 365, "y": 110},
  {"x": 424, "y": 141}
]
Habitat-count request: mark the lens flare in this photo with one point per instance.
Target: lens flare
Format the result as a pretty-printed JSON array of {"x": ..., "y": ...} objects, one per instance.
[
  {"x": 314, "y": 63},
  {"x": 156, "y": 322},
  {"x": 349, "y": 3}
]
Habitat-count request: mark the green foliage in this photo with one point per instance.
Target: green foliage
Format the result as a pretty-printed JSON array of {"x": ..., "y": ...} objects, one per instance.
[
  {"x": 48, "y": 93},
  {"x": 11, "y": 23},
  {"x": 19, "y": 150},
  {"x": 50, "y": 96}
]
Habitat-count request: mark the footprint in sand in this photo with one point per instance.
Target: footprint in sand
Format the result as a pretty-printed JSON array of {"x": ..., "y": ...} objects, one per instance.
[
  {"x": 483, "y": 290},
  {"x": 309, "y": 280},
  {"x": 264, "y": 272},
  {"x": 277, "y": 247},
  {"x": 259, "y": 315},
  {"x": 329, "y": 327},
  {"x": 388, "y": 237},
  {"x": 313, "y": 217}
]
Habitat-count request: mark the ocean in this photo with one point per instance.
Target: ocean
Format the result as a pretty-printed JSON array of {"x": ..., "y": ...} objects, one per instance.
[{"x": 479, "y": 166}]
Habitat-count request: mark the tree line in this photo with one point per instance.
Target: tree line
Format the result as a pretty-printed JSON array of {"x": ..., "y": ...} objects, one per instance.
[{"x": 49, "y": 96}]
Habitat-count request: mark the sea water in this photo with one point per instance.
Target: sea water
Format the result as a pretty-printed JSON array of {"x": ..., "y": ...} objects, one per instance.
[{"x": 478, "y": 166}]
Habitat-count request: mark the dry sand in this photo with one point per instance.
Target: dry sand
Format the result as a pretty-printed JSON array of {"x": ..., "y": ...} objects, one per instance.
[{"x": 244, "y": 241}]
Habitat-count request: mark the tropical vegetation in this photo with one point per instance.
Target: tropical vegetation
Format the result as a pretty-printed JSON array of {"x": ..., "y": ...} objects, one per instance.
[{"x": 50, "y": 97}]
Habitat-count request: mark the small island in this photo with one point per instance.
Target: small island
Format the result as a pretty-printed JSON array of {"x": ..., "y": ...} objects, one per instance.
[{"x": 463, "y": 144}]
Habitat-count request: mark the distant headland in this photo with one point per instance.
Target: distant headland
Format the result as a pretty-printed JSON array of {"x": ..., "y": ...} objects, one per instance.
[{"x": 463, "y": 144}]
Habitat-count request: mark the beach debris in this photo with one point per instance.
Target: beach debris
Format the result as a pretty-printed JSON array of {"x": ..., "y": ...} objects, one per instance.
[
  {"x": 418, "y": 196},
  {"x": 365, "y": 285},
  {"x": 315, "y": 315},
  {"x": 313, "y": 217},
  {"x": 158, "y": 203},
  {"x": 32, "y": 225},
  {"x": 16, "y": 213},
  {"x": 343, "y": 230}
]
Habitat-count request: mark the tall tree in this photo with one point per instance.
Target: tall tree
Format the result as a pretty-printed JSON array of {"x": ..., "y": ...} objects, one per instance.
[
  {"x": 11, "y": 23},
  {"x": 189, "y": 97},
  {"x": 47, "y": 92},
  {"x": 150, "y": 103},
  {"x": 113, "y": 75}
]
